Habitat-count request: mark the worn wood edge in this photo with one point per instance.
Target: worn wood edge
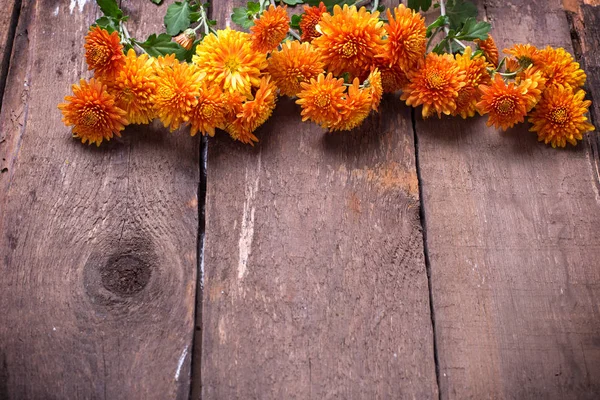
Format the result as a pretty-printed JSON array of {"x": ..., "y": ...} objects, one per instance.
[{"x": 8, "y": 27}]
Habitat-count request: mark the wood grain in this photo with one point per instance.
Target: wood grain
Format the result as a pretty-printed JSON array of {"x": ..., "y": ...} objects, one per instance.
[
  {"x": 98, "y": 245},
  {"x": 315, "y": 281},
  {"x": 514, "y": 246},
  {"x": 8, "y": 23}
]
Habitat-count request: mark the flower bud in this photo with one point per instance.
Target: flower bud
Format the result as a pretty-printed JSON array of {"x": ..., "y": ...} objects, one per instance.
[{"x": 186, "y": 39}]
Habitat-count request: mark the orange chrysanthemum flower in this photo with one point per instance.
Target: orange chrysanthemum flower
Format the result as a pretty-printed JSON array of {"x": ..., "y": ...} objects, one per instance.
[
  {"x": 512, "y": 65},
  {"x": 560, "y": 68},
  {"x": 295, "y": 63},
  {"x": 186, "y": 38},
  {"x": 310, "y": 20},
  {"x": 92, "y": 113},
  {"x": 177, "y": 89},
  {"x": 375, "y": 85},
  {"x": 393, "y": 78},
  {"x": 134, "y": 87},
  {"x": 210, "y": 112},
  {"x": 525, "y": 54},
  {"x": 322, "y": 100},
  {"x": 356, "y": 107},
  {"x": 490, "y": 51},
  {"x": 506, "y": 105},
  {"x": 435, "y": 85},
  {"x": 253, "y": 113},
  {"x": 536, "y": 83},
  {"x": 559, "y": 117},
  {"x": 476, "y": 74},
  {"x": 270, "y": 29},
  {"x": 104, "y": 53},
  {"x": 350, "y": 39},
  {"x": 228, "y": 60},
  {"x": 405, "y": 43}
]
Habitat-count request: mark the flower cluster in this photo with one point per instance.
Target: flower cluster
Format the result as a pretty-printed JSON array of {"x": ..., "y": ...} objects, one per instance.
[{"x": 337, "y": 69}]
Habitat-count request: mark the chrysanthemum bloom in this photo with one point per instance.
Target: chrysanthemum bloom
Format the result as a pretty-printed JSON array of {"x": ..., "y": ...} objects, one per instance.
[
  {"x": 405, "y": 43},
  {"x": 228, "y": 60},
  {"x": 186, "y": 38},
  {"x": 270, "y": 29},
  {"x": 560, "y": 68},
  {"x": 435, "y": 85},
  {"x": 310, "y": 20},
  {"x": 393, "y": 78},
  {"x": 537, "y": 84},
  {"x": 295, "y": 63},
  {"x": 375, "y": 86},
  {"x": 92, "y": 113},
  {"x": 253, "y": 113},
  {"x": 349, "y": 39},
  {"x": 322, "y": 100},
  {"x": 104, "y": 53},
  {"x": 476, "y": 74},
  {"x": 177, "y": 89},
  {"x": 512, "y": 65},
  {"x": 506, "y": 105},
  {"x": 164, "y": 61},
  {"x": 490, "y": 51},
  {"x": 210, "y": 112},
  {"x": 560, "y": 116},
  {"x": 356, "y": 107},
  {"x": 134, "y": 87},
  {"x": 525, "y": 54}
]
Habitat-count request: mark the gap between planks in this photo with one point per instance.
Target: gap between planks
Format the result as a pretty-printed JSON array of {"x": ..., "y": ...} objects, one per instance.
[{"x": 6, "y": 56}]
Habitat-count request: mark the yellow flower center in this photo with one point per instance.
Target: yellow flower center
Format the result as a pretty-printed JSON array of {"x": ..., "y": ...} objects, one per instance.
[
  {"x": 126, "y": 95},
  {"x": 98, "y": 55},
  {"x": 323, "y": 100},
  {"x": 207, "y": 111},
  {"x": 165, "y": 92},
  {"x": 232, "y": 64},
  {"x": 349, "y": 49},
  {"x": 505, "y": 105},
  {"x": 89, "y": 117},
  {"x": 559, "y": 115},
  {"x": 433, "y": 80}
]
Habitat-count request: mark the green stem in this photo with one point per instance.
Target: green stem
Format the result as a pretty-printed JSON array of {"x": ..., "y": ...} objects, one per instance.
[
  {"x": 129, "y": 39},
  {"x": 375, "y": 5},
  {"x": 434, "y": 34},
  {"x": 294, "y": 34},
  {"x": 443, "y": 13}
]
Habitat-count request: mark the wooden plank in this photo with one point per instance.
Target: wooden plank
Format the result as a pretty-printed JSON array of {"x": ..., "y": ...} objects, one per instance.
[
  {"x": 584, "y": 16},
  {"x": 315, "y": 282},
  {"x": 98, "y": 245},
  {"x": 514, "y": 247},
  {"x": 8, "y": 23}
]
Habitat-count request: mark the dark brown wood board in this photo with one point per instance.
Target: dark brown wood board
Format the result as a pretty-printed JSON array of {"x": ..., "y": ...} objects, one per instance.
[
  {"x": 513, "y": 244},
  {"x": 8, "y": 22},
  {"x": 315, "y": 281},
  {"x": 97, "y": 245}
]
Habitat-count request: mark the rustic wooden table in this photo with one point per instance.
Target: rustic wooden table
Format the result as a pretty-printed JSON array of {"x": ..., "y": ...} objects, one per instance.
[{"x": 406, "y": 259}]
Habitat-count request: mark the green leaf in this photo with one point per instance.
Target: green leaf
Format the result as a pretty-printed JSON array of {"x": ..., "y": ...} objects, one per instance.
[
  {"x": 110, "y": 8},
  {"x": 438, "y": 23},
  {"x": 243, "y": 17},
  {"x": 295, "y": 22},
  {"x": 108, "y": 23},
  {"x": 440, "y": 48},
  {"x": 194, "y": 17},
  {"x": 162, "y": 45},
  {"x": 293, "y": 2},
  {"x": 178, "y": 17},
  {"x": 459, "y": 11},
  {"x": 419, "y": 4},
  {"x": 157, "y": 2},
  {"x": 472, "y": 30},
  {"x": 253, "y": 8}
]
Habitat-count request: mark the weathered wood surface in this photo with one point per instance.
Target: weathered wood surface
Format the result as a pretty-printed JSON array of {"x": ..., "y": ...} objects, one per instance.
[
  {"x": 514, "y": 246},
  {"x": 584, "y": 16},
  {"x": 315, "y": 282},
  {"x": 98, "y": 246},
  {"x": 8, "y": 19}
]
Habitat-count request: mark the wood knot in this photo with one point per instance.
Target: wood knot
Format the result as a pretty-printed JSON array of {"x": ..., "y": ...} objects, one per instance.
[{"x": 125, "y": 274}]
